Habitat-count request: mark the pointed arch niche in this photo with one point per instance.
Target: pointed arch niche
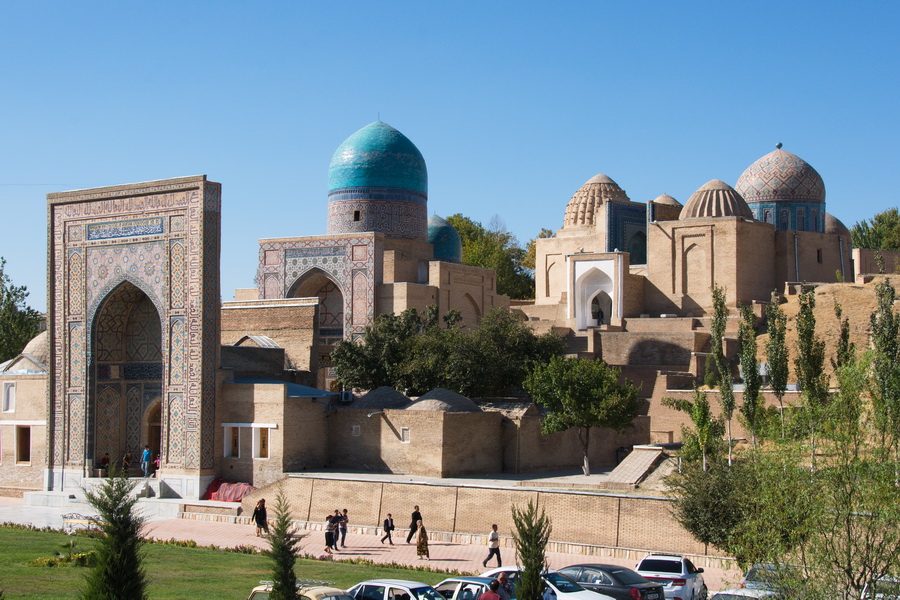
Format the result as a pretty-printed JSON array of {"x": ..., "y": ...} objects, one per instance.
[
  {"x": 596, "y": 294},
  {"x": 317, "y": 284},
  {"x": 127, "y": 373}
]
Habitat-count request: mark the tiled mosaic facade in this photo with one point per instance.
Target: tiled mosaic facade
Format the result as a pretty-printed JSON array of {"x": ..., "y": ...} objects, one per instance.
[
  {"x": 627, "y": 229},
  {"x": 134, "y": 320},
  {"x": 350, "y": 263},
  {"x": 392, "y": 211}
]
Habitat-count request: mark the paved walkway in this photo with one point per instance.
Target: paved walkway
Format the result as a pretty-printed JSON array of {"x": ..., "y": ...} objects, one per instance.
[{"x": 450, "y": 556}]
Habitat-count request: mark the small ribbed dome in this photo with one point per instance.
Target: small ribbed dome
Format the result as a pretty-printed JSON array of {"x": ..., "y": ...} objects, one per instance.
[
  {"x": 381, "y": 398},
  {"x": 834, "y": 225},
  {"x": 39, "y": 348},
  {"x": 667, "y": 199},
  {"x": 715, "y": 199},
  {"x": 585, "y": 203},
  {"x": 445, "y": 239},
  {"x": 443, "y": 400},
  {"x": 378, "y": 156},
  {"x": 780, "y": 176}
]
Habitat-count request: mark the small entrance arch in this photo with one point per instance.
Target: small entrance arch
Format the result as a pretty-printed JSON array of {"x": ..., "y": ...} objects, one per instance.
[
  {"x": 594, "y": 305},
  {"x": 152, "y": 433}
]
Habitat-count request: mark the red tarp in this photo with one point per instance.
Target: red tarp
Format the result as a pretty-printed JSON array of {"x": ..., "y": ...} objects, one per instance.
[{"x": 227, "y": 491}]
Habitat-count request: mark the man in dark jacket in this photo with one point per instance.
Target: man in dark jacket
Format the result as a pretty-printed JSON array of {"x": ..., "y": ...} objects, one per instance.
[
  {"x": 388, "y": 528},
  {"x": 414, "y": 523}
]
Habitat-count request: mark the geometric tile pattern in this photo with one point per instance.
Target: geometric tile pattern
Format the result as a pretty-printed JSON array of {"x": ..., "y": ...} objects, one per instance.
[
  {"x": 341, "y": 259},
  {"x": 162, "y": 238},
  {"x": 392, "y": 211},
  {"x": 624, "y": 222}
]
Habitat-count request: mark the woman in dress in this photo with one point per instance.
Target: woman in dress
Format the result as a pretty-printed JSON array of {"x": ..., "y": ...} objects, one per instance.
[
  {"x": 260, "y": 518},
  {"x": 421, "y": 541},
  {"x": 329, "y": 534}
]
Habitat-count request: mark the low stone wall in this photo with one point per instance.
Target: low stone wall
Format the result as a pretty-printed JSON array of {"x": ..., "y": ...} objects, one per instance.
[{"x": 590, "y": 523}]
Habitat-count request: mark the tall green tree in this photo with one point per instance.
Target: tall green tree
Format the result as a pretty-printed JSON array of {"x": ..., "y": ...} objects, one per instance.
[
  {"x": 414, "y": 355},
  {"x": 495, "y": 248},
  {"x": 725, "y": 382},
  {"x": 751, "y": 407},
  {"x": 708, "y": 430},
  {"x": 119, "y": 573},
  {"x": 18, "y": 322},
  {"x": 845, "y": 348},
  {"x": 881, "y": 232},
  {"x": 531, "y": 534},
  {"x": 777, "y": 353},
  {"x": 582, "y": 393},
  {"x": 284, "y": 548},
  {"x": 884, "y": 325},
  {"x": 810, "y": 367}
]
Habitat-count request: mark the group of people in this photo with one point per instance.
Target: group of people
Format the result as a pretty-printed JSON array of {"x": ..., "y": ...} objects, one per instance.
[
  {"x": 336, "y": 533},
  {"x": 128, "y": 460}
]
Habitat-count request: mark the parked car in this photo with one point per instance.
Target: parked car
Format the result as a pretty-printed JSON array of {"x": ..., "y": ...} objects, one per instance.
[
  {"x": 393, "y": 589},
  {"x": 681, "y": 580},
  {"x": 619, "y": 582},
  {"x": 886, "y": 588},
  {"x": 304, "y": 592},
  {"x": 463, "y": 588},
  {"x": 744, "y": 593},
  {"x": 559, "y": 586}
]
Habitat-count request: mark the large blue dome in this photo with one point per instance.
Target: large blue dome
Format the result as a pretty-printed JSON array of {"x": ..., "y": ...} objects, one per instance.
[
  {"x": 378, "y": 156},
  {"x": 446, "y": 240}
]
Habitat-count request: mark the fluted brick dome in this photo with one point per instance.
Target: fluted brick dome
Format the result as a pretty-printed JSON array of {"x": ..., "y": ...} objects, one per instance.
[
  {"x": 715, "y": 199},
  {"x": 582, "y": 208}
]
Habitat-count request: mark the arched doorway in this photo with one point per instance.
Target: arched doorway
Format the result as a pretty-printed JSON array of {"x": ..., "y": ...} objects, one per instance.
[
  {"x": 592, "y": 296},
  {"x": 127, "y": 374},
  {"x": 153, "y": 428},
  {"x": 316, "y": 284}
]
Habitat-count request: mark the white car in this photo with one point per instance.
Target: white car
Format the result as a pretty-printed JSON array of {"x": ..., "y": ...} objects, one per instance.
[
  {"x": 393, "y": 589},
  {"x": 559, "y": 587},
  {"x": 680, "y": 578},
  {"x": 743, "y": 594}
]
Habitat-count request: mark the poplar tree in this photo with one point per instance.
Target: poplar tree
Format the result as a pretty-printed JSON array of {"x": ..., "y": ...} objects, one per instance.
[
  {"x": 776, "y": 352},
  {"x": 810, "y": 367},
  {"x": 707, "y": 429},
  {"x": 885, "y": 383},
  {"x": 751, "y": 406},
  {"x": 725, "y": 384}
]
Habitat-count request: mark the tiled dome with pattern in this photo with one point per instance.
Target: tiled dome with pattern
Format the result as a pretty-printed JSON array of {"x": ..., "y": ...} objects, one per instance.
[
  {"x": 715, "y": 199},
  {"x": 780, "y": 176},
  {"x": 583, "y": 206}
]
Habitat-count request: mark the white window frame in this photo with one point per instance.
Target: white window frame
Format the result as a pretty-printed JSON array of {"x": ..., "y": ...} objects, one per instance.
[
  {"x": 9, "y": 396},
  {"x": 257, "y": 440},
  {"x": 404, "y": 435}
]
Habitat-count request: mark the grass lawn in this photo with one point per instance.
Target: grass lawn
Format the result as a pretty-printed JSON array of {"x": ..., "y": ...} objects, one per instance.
[{"x": 173, "y": 571}]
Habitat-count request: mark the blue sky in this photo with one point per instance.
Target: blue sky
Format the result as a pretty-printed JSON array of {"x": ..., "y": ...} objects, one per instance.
[{"x": 513, "y": 104}]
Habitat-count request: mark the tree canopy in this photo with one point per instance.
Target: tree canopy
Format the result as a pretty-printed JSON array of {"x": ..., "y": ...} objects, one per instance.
[
  {"x": 18, "y": 322},
  {"x": 582, "y": 393},
  {"x": 495, "y": 248},
  {"x": 881, "y": 232},
  {"x": 414, "y": 354}
]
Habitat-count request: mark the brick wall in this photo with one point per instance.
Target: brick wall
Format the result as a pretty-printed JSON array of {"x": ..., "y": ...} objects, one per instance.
[
  {"x": 580, "y": 518},
  {"x": 288, "y": 321}
]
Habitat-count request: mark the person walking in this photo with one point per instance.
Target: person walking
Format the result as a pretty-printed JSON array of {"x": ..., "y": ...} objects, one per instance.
[
  {"x": 344, "y": 520},
  {"x": 421, "y": 540},
  {"x": 146, "y": 456},
  {"x": 413, "y": 523},
  {"x": 260, "y": 517},
  {"x": 336, "y": 526},
  {"x": 388, "y": 528},
  {"x": 493, "y": 547}
]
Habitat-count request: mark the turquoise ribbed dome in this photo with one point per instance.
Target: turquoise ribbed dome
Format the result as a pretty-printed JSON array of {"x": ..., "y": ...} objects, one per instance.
[
  {"x": 445, "y": 239},
  {"x": 378, "y": 156}
]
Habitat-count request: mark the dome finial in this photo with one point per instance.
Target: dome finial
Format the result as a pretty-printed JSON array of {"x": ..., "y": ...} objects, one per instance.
[{"x": 778, "y": 145}]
